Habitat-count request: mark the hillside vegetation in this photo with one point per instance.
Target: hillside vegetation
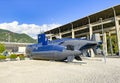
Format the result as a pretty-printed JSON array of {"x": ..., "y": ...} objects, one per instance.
[{"x": 6, "y": 36}]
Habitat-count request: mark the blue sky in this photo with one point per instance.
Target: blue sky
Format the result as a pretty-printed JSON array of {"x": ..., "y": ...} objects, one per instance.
[
  {"x": 50, "y": 11},
  {"x": 28, "y": 16}
]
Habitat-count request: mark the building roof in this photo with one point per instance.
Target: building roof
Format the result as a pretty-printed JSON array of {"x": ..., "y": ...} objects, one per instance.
[{"x": 105, "y": 14}]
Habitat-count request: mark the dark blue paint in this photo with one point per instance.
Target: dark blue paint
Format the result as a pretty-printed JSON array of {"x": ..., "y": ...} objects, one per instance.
[
  {"x": 48, "y": 48},
  {"x": 42, "y": 39}
]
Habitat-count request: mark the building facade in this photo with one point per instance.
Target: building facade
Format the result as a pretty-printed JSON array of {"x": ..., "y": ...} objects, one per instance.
[{"x": 103, "y": 22}]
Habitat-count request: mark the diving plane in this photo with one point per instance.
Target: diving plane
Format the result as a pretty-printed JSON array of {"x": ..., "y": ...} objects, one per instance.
[{"x": 65, "y": 49}]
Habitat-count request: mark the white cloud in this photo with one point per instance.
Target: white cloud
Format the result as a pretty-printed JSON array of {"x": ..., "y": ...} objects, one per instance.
[{"x": 30, "y": 29}]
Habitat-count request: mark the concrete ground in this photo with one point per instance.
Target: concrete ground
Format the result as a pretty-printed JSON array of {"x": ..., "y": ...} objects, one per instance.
[{"x": 90, "y": 70}]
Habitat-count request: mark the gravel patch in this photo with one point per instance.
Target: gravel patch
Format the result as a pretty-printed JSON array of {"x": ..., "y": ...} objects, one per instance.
[{"x": 92, "y": 70}]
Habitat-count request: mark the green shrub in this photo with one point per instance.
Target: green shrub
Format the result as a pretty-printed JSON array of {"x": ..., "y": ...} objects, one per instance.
[
  {"x": 2, "y": 57},
  {"x": 2, "y": 47},
  {"x": 13, "y": 56},
  {"x": 22, "y": 57}
]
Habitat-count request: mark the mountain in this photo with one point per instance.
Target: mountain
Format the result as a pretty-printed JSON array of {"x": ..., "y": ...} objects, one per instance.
[{"x": 6, "y": 36}]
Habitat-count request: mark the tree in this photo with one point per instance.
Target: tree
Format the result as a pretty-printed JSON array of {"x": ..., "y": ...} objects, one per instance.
[
  {"x": 2, "y": 47},
  {"x": 113, "y": 42}
]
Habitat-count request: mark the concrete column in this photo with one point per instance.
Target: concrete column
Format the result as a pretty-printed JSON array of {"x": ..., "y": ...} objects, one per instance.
[
  {"x": 118, "y": 33},
  {"x": 105, "y": 44},
  {"x": 117, "y": 30},
  {"x": 111, "y": 48},
  {"x": 72, "y": 30},
  {"x": 90, "y": 31},
  {"x": 60, "y": 35},
  {"x": 90, "y": 28},
  {"x": 92, "y": 54},
  {"x": 73, "y": 34}
]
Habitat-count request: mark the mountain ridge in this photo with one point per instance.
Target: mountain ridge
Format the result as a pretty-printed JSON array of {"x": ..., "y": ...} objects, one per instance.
[{"x": 9, "y": 36}]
